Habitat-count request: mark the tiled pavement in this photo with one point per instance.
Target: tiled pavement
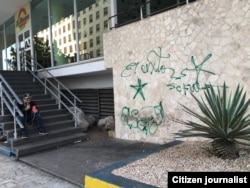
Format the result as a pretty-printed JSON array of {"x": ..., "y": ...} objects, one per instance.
[{"x": 15, "y": 174}]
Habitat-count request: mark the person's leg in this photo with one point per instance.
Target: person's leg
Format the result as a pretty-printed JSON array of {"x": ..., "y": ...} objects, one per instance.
[
  {"x": 39, "y": 122},
  {"x": 23, "y": 130}
]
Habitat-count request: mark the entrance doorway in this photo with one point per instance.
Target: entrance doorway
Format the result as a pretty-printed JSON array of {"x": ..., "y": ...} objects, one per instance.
[{"x": 24, "y": 50}]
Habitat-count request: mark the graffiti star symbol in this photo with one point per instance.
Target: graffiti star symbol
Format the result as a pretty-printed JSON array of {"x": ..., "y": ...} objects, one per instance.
[{"x": 138, "y": 88}]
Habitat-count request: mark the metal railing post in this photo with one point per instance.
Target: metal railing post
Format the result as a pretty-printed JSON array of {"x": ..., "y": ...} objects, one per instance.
[
  {"x": 59, "y": 96},
  {"x": 75, "y": 113},
  {"x": 141, "y": 11},
  {"x": 14, "y": 111},
  {"x": 45, "y": 84},
  {"x": 1, "y": 93}
]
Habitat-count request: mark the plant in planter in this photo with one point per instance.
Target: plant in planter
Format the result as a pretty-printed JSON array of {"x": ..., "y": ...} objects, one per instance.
[{"x": 223, "y": 120}]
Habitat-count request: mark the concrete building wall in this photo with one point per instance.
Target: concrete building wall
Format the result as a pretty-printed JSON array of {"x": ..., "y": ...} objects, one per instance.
[{"x": 159, "y": 60}]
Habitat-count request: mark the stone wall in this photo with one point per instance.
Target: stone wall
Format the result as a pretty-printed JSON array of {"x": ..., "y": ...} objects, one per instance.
[{"x": 159, "y": 60}]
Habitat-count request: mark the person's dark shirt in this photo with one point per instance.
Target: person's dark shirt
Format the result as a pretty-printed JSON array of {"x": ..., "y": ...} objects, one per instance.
[{"x": 29, "y": 111}]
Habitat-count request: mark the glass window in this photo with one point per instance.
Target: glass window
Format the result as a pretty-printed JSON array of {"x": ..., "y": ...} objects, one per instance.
[
  {"x": 90, "y": 18},
  {"x": 97, "y": 15},
  {"x": 105, "y": 24},
  {"x": 91, "y": 43},
  {"x": 9, "y": 57},
  {"x": 98, "y": 40},
  {"x": 40, "y": 25},
  {"x": 62, "y": 13},
  {"x": 95, "y": 24},
  {"x": 97, "y": 27},
  {"x": 105, "y": 11},
  {"x": 2, "y": 48},
  {"x": 90, "y": 30},
  {"x": 85, "y": 45},
  {"x": 98, "y": 52}
]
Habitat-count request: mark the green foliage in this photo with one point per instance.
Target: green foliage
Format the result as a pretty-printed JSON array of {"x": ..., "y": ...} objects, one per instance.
[
  {"x": 14, "y": 58},
  {"x": 42, "y": 51},
  {"x": 224, "y": 120}
]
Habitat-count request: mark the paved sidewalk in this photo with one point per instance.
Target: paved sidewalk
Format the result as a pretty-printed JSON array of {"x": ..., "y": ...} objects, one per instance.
[
  {"x": 14, "y": 174},
  {"x": 73, "y": 162},
  {"x": 67, "y": 167}
]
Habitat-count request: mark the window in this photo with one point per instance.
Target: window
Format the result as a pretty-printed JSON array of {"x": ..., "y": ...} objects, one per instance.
[
  {"x": 84, "y": 21},
  {"x": 91, "y": 43},
  {"x": 98, "y": 40},
  {"x": 98, "y": 52},
  {"x": 68, "y": 26},
  {"x": 64, "y": 29},
  {"x": 91, "y": 54},
  {"x": 79, "y": 24},
  {"x": 90, "y": 18},
  {"x": 105, "y": 11},
  {"x": 85, "y": 45},
  {"x": 97, "y": 15},
  {"x": 90, "y": 30},
  {"x": 69, "y": 37},
  {"x": 97, "y": 27},
  {"x": 85, "y": 34},
  {"x": 70, "y": 49},
  {"x": 105, "y": 24}
]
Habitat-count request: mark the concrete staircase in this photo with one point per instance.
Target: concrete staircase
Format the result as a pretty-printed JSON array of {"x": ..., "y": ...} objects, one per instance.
[{"x": 57, "y": 122}]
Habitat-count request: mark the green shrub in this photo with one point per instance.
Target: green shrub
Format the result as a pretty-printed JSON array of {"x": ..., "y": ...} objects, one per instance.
[{"x": 222, "y": 120}]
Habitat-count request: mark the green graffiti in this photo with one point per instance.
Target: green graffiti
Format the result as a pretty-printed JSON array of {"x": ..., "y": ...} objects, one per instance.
[
  {"x": 188, "y": 88},
  {"x": 198, "y": 68},
  {"x": 147, "y": 119},
  {"x": 155, "y": 64},
  {"x": 130, "y": 69},
  {"x": 138, "y": 88}
]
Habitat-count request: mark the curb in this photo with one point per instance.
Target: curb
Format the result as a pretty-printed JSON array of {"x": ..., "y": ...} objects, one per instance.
[{"x": 105, "y": 179}]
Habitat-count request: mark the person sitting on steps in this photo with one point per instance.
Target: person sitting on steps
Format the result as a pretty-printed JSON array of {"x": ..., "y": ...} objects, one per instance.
[{"x": 30, "y": 113}]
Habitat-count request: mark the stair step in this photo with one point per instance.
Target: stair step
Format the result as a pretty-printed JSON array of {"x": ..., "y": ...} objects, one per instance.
[
  {"x": 9, "y": 133},
  {"x": 31, "y": 148},
  {"x": 6, "y": 117},
  {"x": 6, "y": 150},
  {"x": 53, "y": 112}
]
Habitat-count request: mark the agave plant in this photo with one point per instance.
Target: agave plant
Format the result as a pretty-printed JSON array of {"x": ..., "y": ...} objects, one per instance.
[{"x": 223, "y": 120}]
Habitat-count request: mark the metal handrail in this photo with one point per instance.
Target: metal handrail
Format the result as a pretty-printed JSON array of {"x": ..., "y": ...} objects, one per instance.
[
  {"x": 9, "y": 98},
  {"x": 53, "y": 86}
]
